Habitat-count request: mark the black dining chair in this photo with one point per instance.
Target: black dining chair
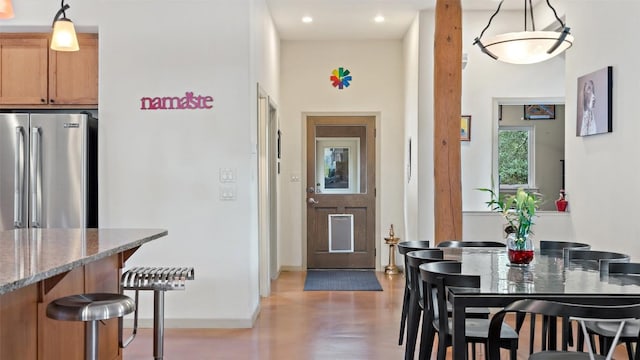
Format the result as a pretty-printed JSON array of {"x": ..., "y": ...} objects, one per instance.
[
  {"x": 416, "y": 303},
  {"x": 606, "y": 331},
  {"x": 550, "y": 247},
  {"x": 578, "y": 312},
  {"x": 437, "y": 277},
  {"x": 596, "y": 260},
  {"x": 462, "y": 244},
  {"x": 403, "y": 248}
]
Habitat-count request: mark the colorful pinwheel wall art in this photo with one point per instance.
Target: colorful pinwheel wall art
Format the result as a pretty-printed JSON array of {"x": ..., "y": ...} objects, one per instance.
[{"x": 340, "y": 78}]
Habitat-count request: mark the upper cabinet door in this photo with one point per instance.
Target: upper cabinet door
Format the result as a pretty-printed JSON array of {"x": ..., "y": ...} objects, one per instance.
[
  {"x": 73, "y": 76},
  {"x": 23, "y": 70}
]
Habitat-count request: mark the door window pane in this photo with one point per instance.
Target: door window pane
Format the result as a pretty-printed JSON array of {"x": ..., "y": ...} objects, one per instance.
[
  {"x": 338, "y": 165},
  {"x": 336, "y": 168}
]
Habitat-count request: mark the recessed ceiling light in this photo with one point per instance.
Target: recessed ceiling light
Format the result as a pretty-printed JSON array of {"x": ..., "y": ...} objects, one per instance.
[
  {"x": 379, "y": 19},
  {"x": 307, "y": 19}
]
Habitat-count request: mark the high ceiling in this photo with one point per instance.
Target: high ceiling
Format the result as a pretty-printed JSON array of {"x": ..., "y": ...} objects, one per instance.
[{"x": 354, "y": 19}]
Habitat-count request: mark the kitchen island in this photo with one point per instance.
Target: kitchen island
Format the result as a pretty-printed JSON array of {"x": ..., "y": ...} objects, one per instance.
[{"x": 40, "y": 265}]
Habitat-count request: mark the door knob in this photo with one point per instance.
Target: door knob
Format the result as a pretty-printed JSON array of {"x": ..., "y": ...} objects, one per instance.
[{"x": 312, "y": 201}]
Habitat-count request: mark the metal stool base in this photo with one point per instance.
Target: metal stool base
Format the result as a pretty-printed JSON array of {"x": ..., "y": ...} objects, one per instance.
[{"x": 159, "y": 280}]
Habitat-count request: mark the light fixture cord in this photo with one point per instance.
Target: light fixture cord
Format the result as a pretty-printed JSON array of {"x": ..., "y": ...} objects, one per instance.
[
  {"x": 491, "y": 18},
  {"x": 533, "y": 23},
  {"x": 555, "y": 14}
]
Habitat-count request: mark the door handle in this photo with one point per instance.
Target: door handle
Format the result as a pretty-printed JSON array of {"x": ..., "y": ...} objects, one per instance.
[
  {"x": 18, "y": 176},
  {"x": 312, "y": 201},
  {"x": 36, "y": 181}
]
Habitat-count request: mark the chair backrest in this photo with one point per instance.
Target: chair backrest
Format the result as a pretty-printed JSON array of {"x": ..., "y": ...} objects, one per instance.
[
  {"x": 624, "y": 268},
  {"x": 460, "y": 244},
  {"x": 417, "y": 258},
  {"x": 561, "y": 245},
  {"x": 406, "y": 246},
  {"x": 437, "y": 277},
  {"x": 604, "y": 258},
  {"x": 578, "y": 312}
]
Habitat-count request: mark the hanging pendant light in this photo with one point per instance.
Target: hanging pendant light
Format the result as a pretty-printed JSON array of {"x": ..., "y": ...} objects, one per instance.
[
  {"x": 528, "y": 46},
  {"x": 63, "y": 37},
  {"x": 6, "y": 9}
]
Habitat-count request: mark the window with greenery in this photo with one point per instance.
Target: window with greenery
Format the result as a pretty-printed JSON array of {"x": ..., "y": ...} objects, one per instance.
[{"x": 514, "y": 157}]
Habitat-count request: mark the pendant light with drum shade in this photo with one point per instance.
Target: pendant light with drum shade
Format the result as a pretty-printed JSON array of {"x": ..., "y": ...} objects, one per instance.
[
  {"x": 529, "y": 46},
  {"x": 63, "y": 37},
  {"x": 6, "y": 9}
]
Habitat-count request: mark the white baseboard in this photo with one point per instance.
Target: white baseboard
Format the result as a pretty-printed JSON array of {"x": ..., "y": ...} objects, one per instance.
[
  {"x": 291, "y": 268},
  {"x": 177, "y": 323}
]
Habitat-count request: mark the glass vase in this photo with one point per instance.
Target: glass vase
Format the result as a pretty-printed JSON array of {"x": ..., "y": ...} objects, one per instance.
[{"x": 520, "y": 250}]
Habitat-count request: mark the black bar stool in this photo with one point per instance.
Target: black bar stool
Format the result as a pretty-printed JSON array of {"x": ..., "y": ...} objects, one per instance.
[{"x": 90, "y": 308}]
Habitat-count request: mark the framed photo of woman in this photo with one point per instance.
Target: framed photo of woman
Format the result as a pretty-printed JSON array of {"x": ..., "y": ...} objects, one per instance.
[{"x": 594, "y": 115}]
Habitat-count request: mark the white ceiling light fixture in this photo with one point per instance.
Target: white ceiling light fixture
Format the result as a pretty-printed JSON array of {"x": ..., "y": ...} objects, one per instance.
[
  {"x": 63, "y": 37},
  {"x": 307, "y": 19},
  {"x": 379, "y": 19},
  {"x": 528, "y": 46}
]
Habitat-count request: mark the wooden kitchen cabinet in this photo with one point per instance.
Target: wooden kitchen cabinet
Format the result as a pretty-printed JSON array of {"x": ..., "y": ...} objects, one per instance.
[
  {"x": 31, "y": 74},
  {"x": 23, "y": 70},
  {"x": 73, "y": 76}
]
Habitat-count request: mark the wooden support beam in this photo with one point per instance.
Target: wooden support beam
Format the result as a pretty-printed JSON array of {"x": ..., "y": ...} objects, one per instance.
[{"x": 447, "y": 76}]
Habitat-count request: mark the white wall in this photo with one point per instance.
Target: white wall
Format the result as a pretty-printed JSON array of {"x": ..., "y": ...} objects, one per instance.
[
  {"x": 161, "y": 168},
  {"x": 377, "y": 88},
  {"x": 424, "y": 146},
  {"x": 411, "y": 100},
  {"x": 602, "y": 170}
]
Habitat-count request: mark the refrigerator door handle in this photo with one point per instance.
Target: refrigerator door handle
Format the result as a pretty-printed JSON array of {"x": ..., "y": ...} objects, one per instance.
[
  {"x": 36, "y": 180},
  {"x": 18, "y": 190}
]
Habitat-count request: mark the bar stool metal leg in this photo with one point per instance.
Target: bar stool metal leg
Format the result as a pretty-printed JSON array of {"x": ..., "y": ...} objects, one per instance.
[
  {"x": 158, "y": 325},
  {"x": 91, "y": 340}
]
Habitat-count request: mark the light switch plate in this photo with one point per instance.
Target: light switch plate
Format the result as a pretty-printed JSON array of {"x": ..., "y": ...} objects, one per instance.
[
  {"x": 227, "y": 175},
  {"x": 228, "y": 192}
]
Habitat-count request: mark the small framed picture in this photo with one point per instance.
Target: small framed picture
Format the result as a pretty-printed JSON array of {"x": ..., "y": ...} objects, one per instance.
[
  {"x": 539, "y": 112},
  {"x": 465, "y": 128},
  {"x": 595, "y": 101}
]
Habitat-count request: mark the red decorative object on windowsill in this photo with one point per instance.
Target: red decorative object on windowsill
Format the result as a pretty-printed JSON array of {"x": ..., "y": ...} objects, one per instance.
[{"x": 561, "y": 203}]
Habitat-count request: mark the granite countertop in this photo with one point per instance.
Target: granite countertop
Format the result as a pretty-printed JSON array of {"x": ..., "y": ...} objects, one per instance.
[{"x": 31, "y": 255}]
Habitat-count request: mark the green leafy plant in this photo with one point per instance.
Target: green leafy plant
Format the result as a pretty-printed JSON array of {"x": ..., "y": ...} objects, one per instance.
[{"x": 518, "y": 209}]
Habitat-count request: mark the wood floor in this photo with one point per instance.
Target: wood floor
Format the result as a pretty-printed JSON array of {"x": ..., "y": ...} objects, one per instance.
[{"x": 297, "y": 324}]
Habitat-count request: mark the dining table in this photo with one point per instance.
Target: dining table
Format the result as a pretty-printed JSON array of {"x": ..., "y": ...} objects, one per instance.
[{"x": 549, "y": 276}]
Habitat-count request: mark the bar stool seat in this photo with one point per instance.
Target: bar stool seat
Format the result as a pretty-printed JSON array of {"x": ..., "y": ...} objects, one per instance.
[{"x": 90, "y": 308}]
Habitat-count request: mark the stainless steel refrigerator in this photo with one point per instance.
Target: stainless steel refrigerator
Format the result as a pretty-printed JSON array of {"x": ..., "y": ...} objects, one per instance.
[{"x": 48, "y": 170}]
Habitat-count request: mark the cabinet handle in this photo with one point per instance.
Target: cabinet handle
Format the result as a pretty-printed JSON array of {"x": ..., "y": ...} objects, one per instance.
[
  {"x": 51, "y": 101},
  {"x": 43, "y": 100}
]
